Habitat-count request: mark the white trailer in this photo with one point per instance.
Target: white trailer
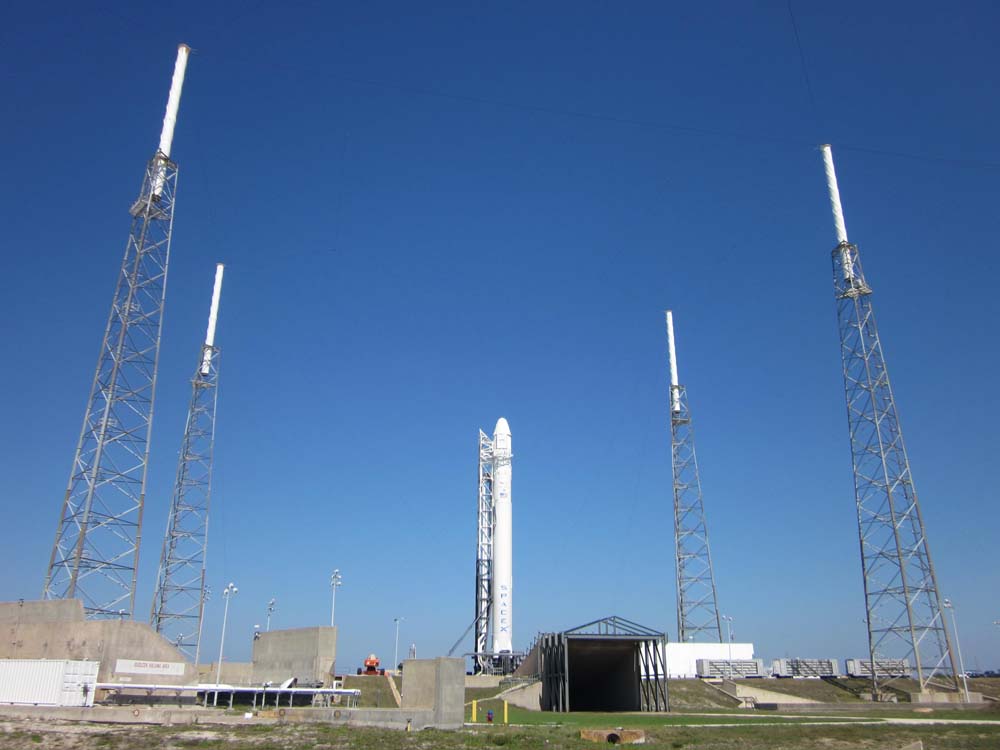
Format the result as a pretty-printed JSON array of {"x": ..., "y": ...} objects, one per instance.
[{"x": 47, "y": 682}]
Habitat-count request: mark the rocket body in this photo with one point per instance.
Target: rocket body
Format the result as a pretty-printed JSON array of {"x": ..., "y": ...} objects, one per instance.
[{"x": 503, "y": 584}]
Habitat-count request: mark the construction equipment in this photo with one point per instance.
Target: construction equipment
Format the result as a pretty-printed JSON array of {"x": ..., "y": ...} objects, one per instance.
[{"x": 371, "y": 666}]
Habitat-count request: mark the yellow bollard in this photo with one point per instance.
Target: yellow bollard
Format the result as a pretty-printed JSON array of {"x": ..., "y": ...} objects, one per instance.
[
  {"x": 505, "y": 712},
  {"x": 474, "y": 711}
]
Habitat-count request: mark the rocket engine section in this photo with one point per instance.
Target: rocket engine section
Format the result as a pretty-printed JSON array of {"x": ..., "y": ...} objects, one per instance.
[{"x": 503, "y": 583}]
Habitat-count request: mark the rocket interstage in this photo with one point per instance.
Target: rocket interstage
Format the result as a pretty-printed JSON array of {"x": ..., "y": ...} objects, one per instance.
[{"x": 503, "y": 584}]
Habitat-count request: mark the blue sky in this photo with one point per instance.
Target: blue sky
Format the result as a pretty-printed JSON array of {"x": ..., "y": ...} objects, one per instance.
[{"x": 436, "y": 215}]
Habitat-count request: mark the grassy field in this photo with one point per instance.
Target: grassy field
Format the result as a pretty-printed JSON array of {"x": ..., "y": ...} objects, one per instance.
[
  {"x": 817, "y": 690},
  {"x": 986, "y": 685},
  {"x": 686, "y": 695},
  {"x": 768, "y": 732},
  {"x": 375, "y": 690}
]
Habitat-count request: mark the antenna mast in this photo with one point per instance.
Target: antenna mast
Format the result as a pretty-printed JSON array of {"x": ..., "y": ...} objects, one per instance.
[
  {"x": 179, "y": 597},
  {"x": 96, "y": 549},
  {"x": 904, "y": 615},
  {"x": 697, "y": 608}
]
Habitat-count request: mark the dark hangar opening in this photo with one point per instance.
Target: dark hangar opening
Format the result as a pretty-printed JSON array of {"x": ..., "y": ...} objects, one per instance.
[{"x": 606, "y": 665}]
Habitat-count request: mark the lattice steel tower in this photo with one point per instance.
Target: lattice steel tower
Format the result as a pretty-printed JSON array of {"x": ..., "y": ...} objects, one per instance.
[
  {"x": 96, "y": 549},
  {"x": 904, "y": 614},
  {"x": 697, "y": 609},
  {"x": 484, "y": 550},
  {"x": 178, "y": 600}
]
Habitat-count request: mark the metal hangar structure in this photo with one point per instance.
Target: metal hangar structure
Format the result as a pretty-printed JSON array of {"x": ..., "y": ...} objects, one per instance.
[{"x": 611, "y": 664}]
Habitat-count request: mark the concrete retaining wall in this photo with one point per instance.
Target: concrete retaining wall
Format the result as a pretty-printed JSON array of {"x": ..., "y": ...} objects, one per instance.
[
  {"x": 233, "y": 673},
  {"x": 526, "y": 696},
  {"x": 386, "y": 718},
  {"x": 55, "y": 610},
  {"x": 483, "y": 680},
  {"x": 57, "y": 630},
  {"x": 306, "y": 653},
  {"x": 437, "y": 684}
]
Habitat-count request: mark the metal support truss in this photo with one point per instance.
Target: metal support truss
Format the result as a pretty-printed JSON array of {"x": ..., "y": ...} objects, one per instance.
[
  {"x": 904, "y": 614},
  {"x": 96, "y": 549},
  {"x": 697, "y": 610},
  {"x": 178, "y": 601},
  {"x": 484, "y": 548}
]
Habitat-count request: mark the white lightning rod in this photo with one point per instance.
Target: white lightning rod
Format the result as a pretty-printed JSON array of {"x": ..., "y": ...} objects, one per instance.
[
  {"x": 173, "y": 105},
  {"x": 174, "y": 100},
  {"x": 675, "y": 396},
  {"x": 213, "y": 317},
  {"x": 838, "y": 210}
]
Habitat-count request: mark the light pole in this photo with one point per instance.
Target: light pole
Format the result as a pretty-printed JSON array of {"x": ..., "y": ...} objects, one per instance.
[
  {"x": 270, "y": 611},
  {"x": 227, "y": 592},
  {"x": 395, "y": 656},
  {"x": 206, "y": 594},
  {"x": 729, "y": 631},
  {"x": 965, "y": 680},
  {"x": 336, "y": 580}
]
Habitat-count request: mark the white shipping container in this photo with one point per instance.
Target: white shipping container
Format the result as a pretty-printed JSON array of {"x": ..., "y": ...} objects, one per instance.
[{"x": 48, "y": 682}]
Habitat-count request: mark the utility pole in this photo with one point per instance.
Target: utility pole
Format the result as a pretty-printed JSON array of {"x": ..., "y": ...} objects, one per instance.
[
  {"x": 958, "y": 645},
  {"x": 729, "y": 633}
]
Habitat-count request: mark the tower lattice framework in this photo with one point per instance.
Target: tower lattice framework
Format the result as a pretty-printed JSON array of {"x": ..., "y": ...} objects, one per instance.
[
  {"x": 178, "y": 601},
  {"x": 96, "y": 549},
  {"x": 904, "y": 614},
  {"x": 697, "y": 609},
  {"x": 484, "y": 548}
]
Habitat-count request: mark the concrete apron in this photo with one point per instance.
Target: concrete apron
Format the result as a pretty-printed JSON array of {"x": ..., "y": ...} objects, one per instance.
[{"x": 385, "y": 718}]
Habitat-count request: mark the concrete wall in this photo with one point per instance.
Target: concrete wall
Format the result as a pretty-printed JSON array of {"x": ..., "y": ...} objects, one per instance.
[
  {"x": 483, "y": 680},
  {"x": 438, "y": 684},
  {"x": 56, "y": 610},
  {"x": 56, "y": 630},
  {"x": 527, "y": 696},
  {"x": 306, "y": 653},
  {"x": 233, "y": 673},
  {"x": 420, "y": 683},
  {"x": 385, "y": 718}
]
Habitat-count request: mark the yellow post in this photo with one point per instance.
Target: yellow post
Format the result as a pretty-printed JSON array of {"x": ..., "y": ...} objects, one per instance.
[
  {"x": 505, "y": 712},
  {"x": 474, "y": 711}
]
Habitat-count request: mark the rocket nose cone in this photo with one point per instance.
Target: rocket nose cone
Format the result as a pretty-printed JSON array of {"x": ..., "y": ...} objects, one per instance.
[{"x": 502, "y": 427}]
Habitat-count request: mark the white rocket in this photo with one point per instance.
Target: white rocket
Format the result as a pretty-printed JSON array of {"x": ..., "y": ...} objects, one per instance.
[{"x": 503, "y": 579}]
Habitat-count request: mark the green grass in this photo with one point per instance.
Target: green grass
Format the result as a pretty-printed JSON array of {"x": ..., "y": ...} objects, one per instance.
[
  {"x": 817, "y": 690},
  {"x": 986, "y": 685},
  {"x": 769, "y": 734},
  {"x": 481, "y": 693},
  {"x": 696, "y": 694},
  {"x": 375, "y": 690},
  {"x": 587, "y": 719},
  {"x": 773, "y": 732}
]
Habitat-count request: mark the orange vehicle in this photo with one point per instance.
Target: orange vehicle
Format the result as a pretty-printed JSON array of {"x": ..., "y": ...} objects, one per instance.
[{"x": 371, "y": 666}]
